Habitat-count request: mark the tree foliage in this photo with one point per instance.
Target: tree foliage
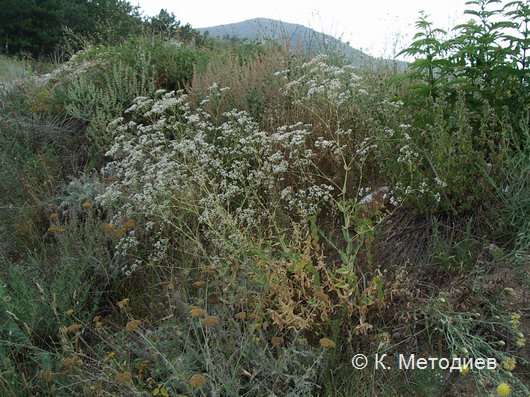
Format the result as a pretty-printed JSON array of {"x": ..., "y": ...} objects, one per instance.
[
  {"x": 167, "y": 26},
  {"x": 36, "y": 27},
  {"x": 486, "y": 62}
]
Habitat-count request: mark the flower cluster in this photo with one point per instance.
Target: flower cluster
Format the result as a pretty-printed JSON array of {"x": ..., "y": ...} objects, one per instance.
[
  {"x": 166, "y": 155},
  {"x": 318, "y": 79}
]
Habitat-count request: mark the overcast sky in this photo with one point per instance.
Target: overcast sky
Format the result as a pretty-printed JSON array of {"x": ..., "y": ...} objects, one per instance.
[{"x": 378, "y": 27}]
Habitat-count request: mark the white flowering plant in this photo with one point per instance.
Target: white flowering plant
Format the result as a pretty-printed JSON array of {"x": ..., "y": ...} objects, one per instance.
[{"x": 190, "y": 176}]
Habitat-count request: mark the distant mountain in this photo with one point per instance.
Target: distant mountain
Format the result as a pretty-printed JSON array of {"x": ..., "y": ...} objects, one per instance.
[{"x": 299, "y": 36}]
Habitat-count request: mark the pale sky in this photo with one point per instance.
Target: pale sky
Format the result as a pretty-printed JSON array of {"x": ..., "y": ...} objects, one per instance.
[{"x": 377, "y": 27}]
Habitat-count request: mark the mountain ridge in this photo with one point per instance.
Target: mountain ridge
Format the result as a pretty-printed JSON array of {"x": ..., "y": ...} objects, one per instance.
[{"x": 299, "y": 36}]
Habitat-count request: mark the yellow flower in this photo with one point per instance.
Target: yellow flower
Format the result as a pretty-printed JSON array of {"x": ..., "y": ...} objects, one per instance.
[
  {"x": 196, "y": 311},
  {"x": 241, "y": 316},
  {"x": 520, "y": 342},
  {"x": 124, "y": 302},
  {"x": 54, "y": 229},
  {"x": 109, "y": 228},
  {"x": 129, "y": 224},
  {"x": 70, "y": 312},
  {"x": 118, "y": 233},
  {"x": 54, "y": 216},
  {"x": 123, "y": 377},
  {"x": 132, "y": 325},
  {"x": 87, "y": 204},
  {"x": 73, "y": 328},
  {"x": 464, "y": 370},
  {"x": 111, "y": 355},
  {"x": 208, "y": 271},
  {"x": 210, "y": 321},
  {"x": 199, "y": 284},
  {"x": 503, "y": 390},
  {"x": 197, "y": 380},
  {"x": 516, "y": 319},
  {"x": 509, "y": 363},
  {"x": 328, "y": 343},
  {"x": 70, "y": 362}
]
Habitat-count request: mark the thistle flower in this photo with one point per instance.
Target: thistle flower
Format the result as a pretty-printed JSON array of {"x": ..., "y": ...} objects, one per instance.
[
  {"x": 73, "y": 328},
  {"x": 124, "y": 302},
  {"x": 197, "y": 380},
  {"x": 210, "y": 321},
  {"x": 196, "y": 311},
  {"x": 70, "y": 362},
  {"x": 129, "y": 224},
  {"x": 503, "y": 390},
  {"x": 123, "y": 377},
  {"x": 132, "y": 325},
  {"x": 516, "y": 320},
  {"x": 509, "y": 363},
  {"x": 208, "y": 271},
  {"x": 241, "y": 316},
  {"x": 327, "y": 343}
]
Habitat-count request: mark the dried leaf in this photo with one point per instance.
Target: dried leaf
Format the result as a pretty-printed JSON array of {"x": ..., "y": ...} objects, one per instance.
[{"x": 322, "y": 296}]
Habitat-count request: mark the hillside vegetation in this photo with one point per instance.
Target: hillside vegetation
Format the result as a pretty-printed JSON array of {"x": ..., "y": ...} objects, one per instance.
[{"x": 184, "y": 216}]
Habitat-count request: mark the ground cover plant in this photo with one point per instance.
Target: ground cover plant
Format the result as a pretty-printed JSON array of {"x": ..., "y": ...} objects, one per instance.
[{"x": 233, "y": 219}]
